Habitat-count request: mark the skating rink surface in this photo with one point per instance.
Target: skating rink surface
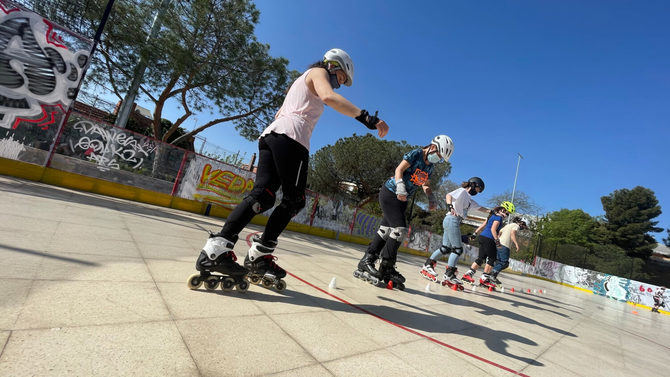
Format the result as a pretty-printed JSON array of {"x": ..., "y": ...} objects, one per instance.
[{"x": 96, "y": 286}]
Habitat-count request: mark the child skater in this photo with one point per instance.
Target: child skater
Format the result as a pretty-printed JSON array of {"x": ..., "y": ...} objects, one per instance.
[
  {"x": 459, "y": 202},
  {"x": 489, "y": 240},
  {"x": 283, "y": 154},
  {"x": 507, "y": 236},
  {"x": 413, "y": 172}
]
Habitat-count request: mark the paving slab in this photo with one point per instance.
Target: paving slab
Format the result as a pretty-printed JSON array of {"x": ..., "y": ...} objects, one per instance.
[{"x": 96, "y": 286}]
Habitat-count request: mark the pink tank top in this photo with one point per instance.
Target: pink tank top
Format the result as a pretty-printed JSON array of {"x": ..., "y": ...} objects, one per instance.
[{"x": 298, "y": 114}]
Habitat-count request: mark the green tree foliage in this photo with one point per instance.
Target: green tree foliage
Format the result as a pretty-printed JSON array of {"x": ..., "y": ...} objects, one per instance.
[
  {"x": 205, "y": 59},
  {"x": 356, "y": 167},
  {"x": 522, "y": 202},
  {"x": 568, "y": 226},
  {"x": 629, "y": 215}
]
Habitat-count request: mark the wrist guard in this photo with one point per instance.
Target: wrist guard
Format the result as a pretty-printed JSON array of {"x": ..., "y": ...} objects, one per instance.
[
  {"x": 449, "y": 207},
  {"x": 400, "y": 188},
  {"x": 370, "y": 121}
]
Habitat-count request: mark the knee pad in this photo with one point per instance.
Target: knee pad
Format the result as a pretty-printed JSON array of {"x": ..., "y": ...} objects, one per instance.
[
  {"x": 384, "y": 232},
  {"x": 490, "y": 261},
  {"x": 398, "y": 233},
  {"x": 293, "y": 204},
  {"x": 261, "y": 201},
  {"x": 505, "y": 265},
  {"x": 445, "y": 250},
  {"x": 479, "y": 261},
  {"x": 457, "y": 250}
]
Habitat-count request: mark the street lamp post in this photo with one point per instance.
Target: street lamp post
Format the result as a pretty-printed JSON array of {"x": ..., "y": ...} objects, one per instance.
[{"x": 516, "y": 175}]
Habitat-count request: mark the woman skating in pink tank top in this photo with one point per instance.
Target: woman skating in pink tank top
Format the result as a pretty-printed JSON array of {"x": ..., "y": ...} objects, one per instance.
[{"x": 283, "y": 155}]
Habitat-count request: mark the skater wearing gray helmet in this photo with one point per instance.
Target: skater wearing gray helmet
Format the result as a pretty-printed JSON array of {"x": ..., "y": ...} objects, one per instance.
[{"x": 282, "y": 162}]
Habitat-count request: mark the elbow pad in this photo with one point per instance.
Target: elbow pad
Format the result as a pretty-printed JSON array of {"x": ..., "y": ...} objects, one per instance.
[{"x": 369, "y": 121}]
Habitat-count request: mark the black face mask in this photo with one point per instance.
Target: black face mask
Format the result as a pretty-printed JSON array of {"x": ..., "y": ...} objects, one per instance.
[
  {"x": 333, "y": 80},
  {"x": 472, "y": 191}
]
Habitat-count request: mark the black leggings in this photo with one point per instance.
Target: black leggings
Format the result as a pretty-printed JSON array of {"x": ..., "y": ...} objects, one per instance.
[
  {"x": 394, "y": 216},
  {"x": 487, "y": 251},
  {"x": 282, "y": 162}
]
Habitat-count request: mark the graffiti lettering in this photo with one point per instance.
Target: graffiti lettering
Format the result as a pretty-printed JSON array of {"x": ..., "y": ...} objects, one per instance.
[
  {"x": 227, "y": 186},
  {"x": 105, "y": 146}
]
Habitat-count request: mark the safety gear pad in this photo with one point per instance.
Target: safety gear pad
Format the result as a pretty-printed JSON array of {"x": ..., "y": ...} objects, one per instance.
[
  {"x": 384, "y": 231},
  {"x": 262, "y": 201},
  {"x": 398, "y": 233},
  {"x": 400, "y": 188},
  {"x": 293, "y": 205},
  {"x": 457, "y": 250},
  {"x": 369, "y": 121},
  {"x": 445, "y": 250}
]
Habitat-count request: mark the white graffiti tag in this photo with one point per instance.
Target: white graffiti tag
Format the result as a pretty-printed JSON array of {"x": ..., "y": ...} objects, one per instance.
[{"x": 105, "y": 146}]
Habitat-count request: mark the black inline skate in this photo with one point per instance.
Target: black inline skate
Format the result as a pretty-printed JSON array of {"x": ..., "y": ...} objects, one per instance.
[
  {"x": 449, "y": 279},
  {"x": 388, "y": 273},
  {"x": 366, "y": 269},
  {"x": 218, "y": 257},
  {"x": 261, "y": 264}
]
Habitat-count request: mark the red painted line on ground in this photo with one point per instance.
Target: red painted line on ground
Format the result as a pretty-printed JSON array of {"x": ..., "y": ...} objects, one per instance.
[{"x": 399, "y": 325}]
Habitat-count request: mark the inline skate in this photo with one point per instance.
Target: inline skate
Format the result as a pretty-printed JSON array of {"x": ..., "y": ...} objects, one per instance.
[
  {"x": 217, "y": 256},
  {"x": 261, "y": 264}
]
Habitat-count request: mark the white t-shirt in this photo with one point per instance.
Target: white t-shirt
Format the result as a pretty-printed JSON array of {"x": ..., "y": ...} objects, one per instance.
[
  {"x": 462, "y": 202},
  {"x": 506, "y": 234}
]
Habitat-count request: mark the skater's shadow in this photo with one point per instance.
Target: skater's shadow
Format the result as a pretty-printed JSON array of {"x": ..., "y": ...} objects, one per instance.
[
  {"x": 418, "y": 319},
  {"x": 519, "y": 304}
]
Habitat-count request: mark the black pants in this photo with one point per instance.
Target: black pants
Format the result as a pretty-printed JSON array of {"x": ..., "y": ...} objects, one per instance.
[
  {"x": 487, "y": 250},
  {"x": 394, "y": 216},
  {"x": 282, "y": 162}
]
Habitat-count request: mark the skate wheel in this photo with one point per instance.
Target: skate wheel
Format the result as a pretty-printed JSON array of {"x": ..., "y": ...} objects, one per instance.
[
  {"x": 254, "y": 279},
  {"x": 242, "y": 286},
  {"x": 211, "y": 283},
  {"x": 194, "y": 281},
  {"x": 280, "y": 285},
  {"x": 267, "y": 283},
  {"x": 228, "y": 284},
  {"x": 461, "y": 288},
  {"x": 401, "y": 286},
  {"x": 357, "y": 274}
]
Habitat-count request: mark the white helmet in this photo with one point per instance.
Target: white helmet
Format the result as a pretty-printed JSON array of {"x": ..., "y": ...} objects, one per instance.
[
  {"x": 444, "y": 145},
  {"x": 343, "y": 60}
]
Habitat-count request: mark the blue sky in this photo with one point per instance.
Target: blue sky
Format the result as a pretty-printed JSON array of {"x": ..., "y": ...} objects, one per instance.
[{"x": 580, "y": 89}]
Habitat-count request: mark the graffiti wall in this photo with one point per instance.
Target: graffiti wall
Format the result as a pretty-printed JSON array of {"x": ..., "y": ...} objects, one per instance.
[
  {"x": 365, "y": 225},
  {"x": 333, "y": 214},
  {"x": 611, "y": 286},
  {"x": 41, "y": 65},
  {"x": 212, "y": 181}
]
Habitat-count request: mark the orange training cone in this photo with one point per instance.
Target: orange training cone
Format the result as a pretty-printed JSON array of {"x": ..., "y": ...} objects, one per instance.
[
  {"x": 389, "y": 285},
  {"x": 454, "y": 287},
  {"x": 528, "y": 291},
  {"x": 490, "y": 289},
  {"x": 511, "y": 290},
  {"x": 540, "y": 291}
]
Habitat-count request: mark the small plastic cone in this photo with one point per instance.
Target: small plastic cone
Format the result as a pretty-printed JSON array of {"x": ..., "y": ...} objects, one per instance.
[
  {"x": 454, "y": 287},
  {"x": 528, "y": 291},
  {"x": 490, "y": 289},
  {"x": 333, "y": 283},
  {"x": 634, "y": 311},
  {"x": 428, "y": 288},
  {"x": 502, "y": 290},
  {"x": 540, "y": 291},
  {"x": 474, "y": 288},
  {"x": 534, "y": 290},
  {"x": 389, "y": 285},
  {"x": 511, "y": 290}
]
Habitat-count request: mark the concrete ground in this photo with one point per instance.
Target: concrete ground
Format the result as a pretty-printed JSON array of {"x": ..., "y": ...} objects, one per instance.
[{"x": 96, "y": 286}]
